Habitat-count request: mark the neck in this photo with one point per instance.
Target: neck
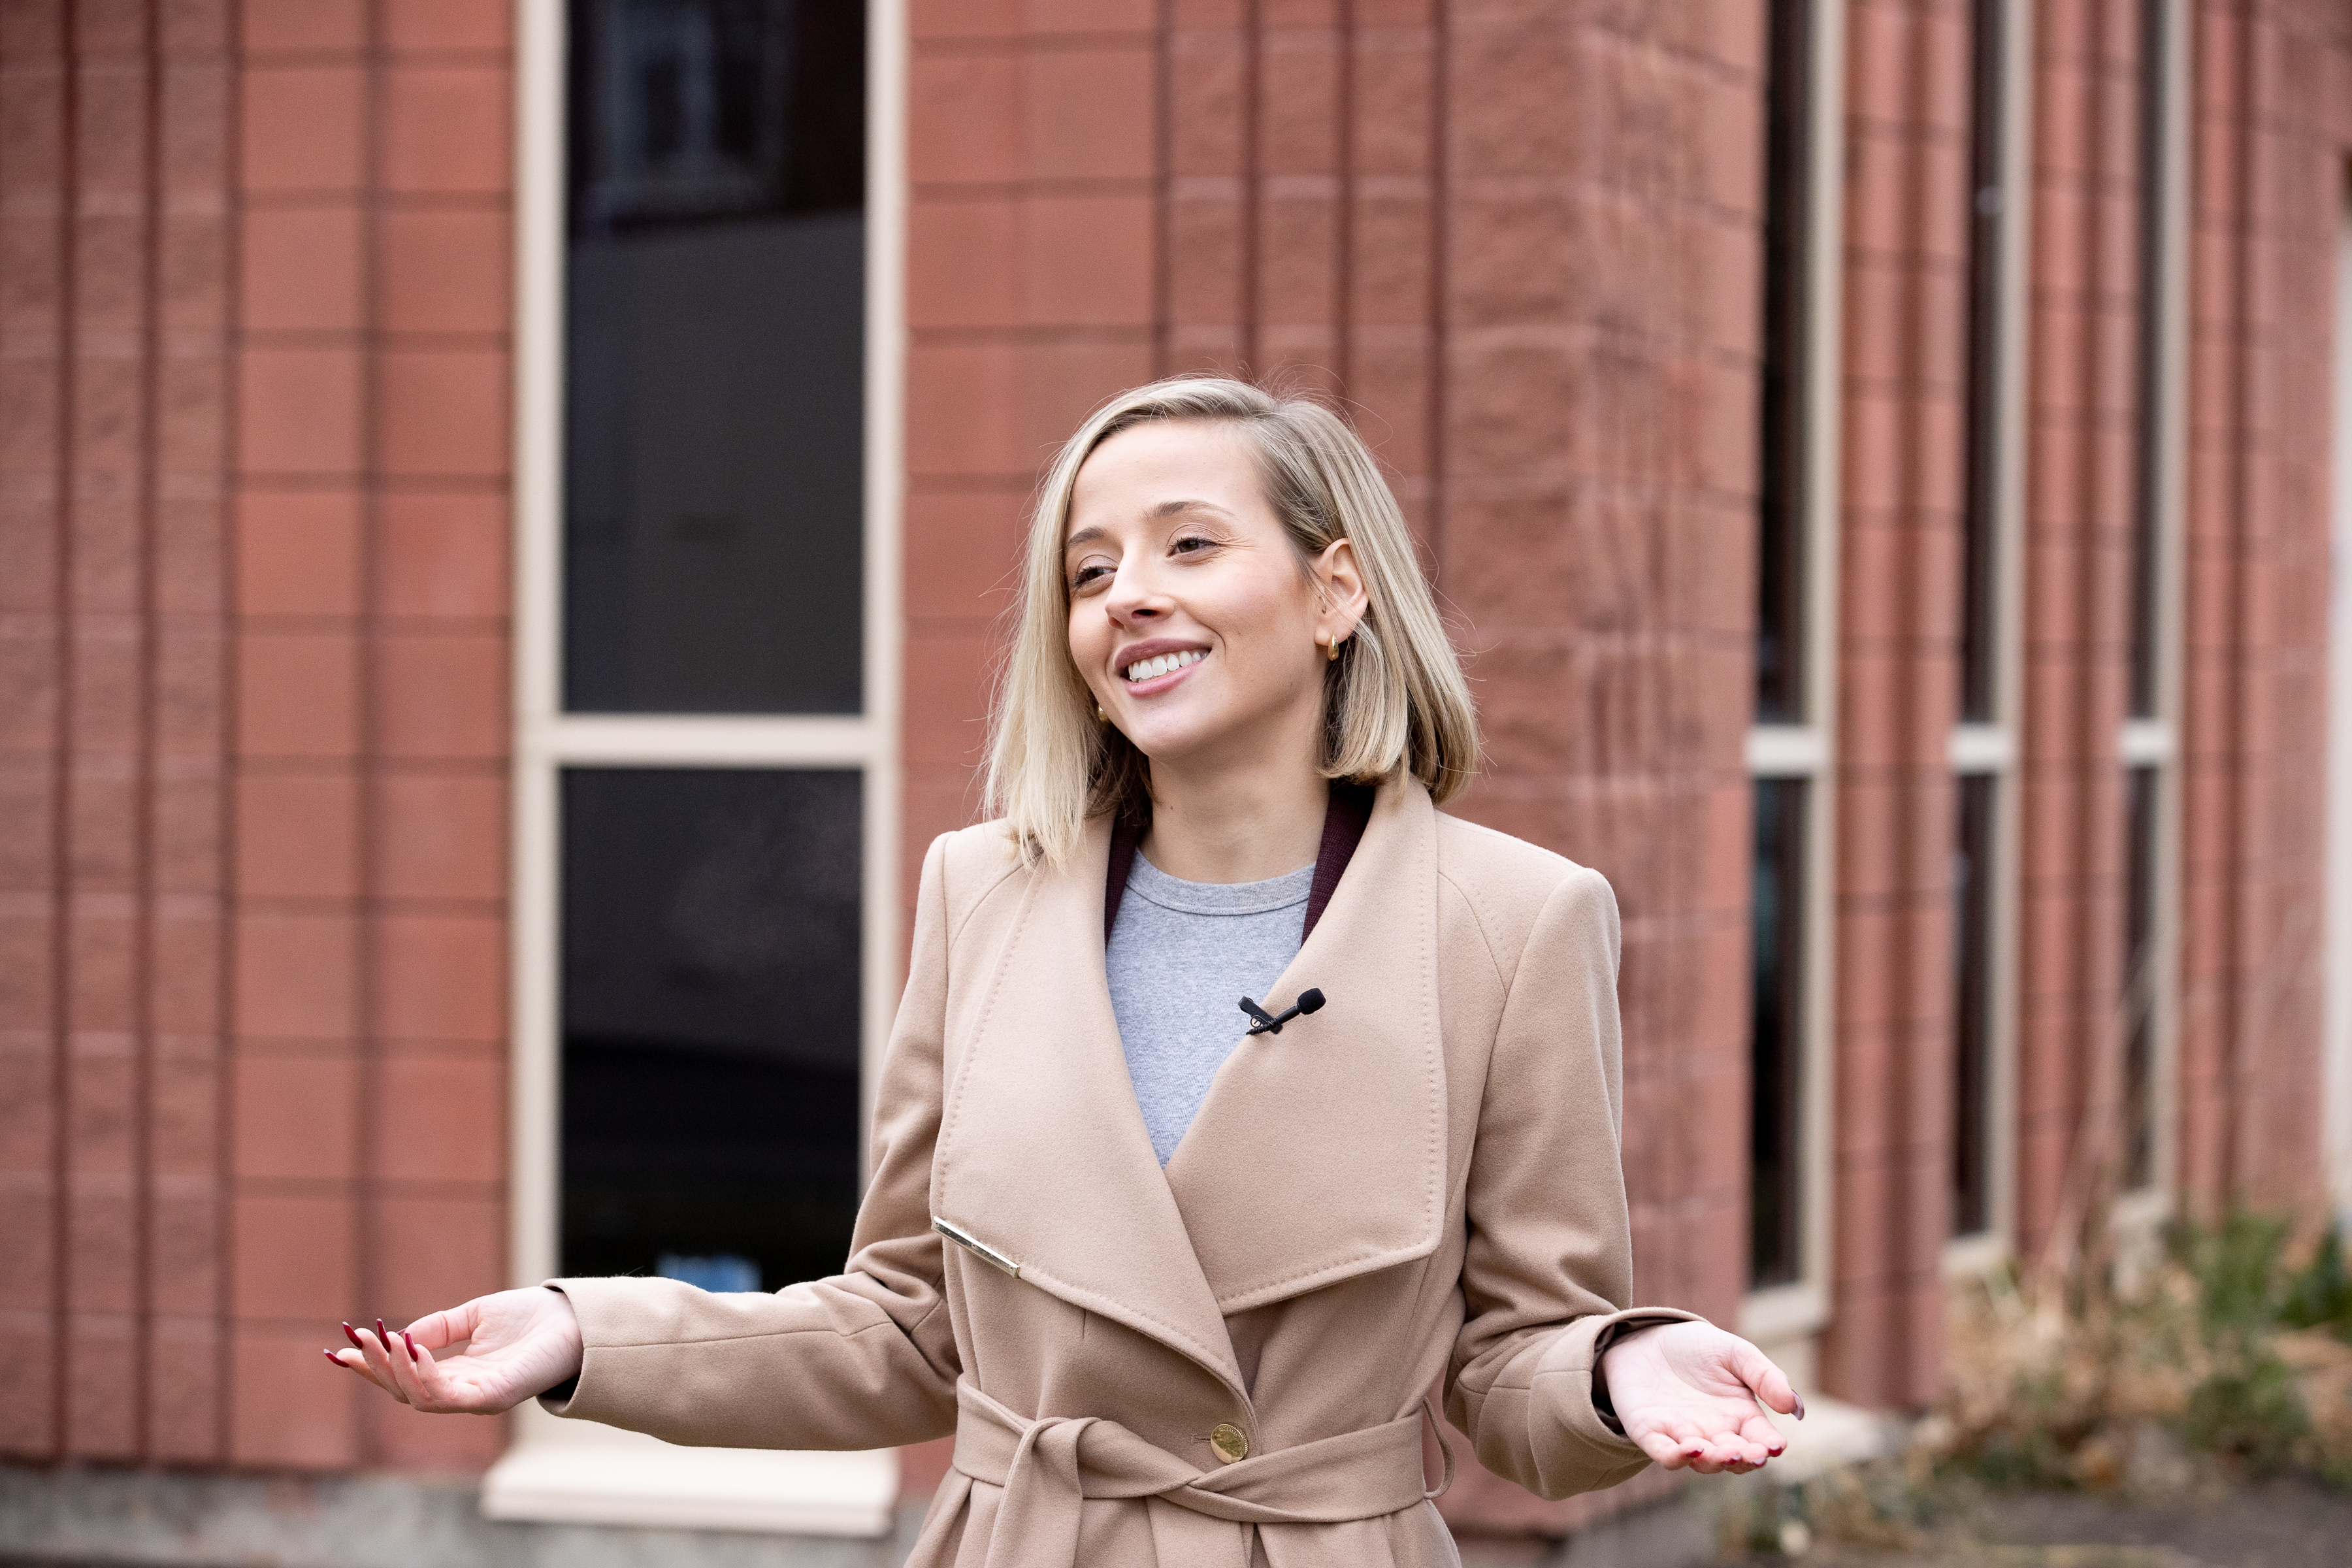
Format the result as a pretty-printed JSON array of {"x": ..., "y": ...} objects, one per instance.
[{"x": 1236, "y": 824}]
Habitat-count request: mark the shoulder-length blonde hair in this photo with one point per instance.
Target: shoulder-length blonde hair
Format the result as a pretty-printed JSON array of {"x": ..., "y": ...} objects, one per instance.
[{"x": 1396, "y": 698}]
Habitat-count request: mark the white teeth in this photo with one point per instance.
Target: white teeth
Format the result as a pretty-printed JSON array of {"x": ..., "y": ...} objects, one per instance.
[{"x": 1145, "y": 668}]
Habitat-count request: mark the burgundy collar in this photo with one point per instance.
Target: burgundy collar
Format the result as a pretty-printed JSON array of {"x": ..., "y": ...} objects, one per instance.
[{"x": 1344, "y": 820}]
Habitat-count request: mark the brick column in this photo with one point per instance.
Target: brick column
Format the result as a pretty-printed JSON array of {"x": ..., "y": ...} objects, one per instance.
[
  {"x": 372, "y": 468},
  {"x": 2273, "y": 136},
  {"x": 1904, "y": 413},
  {"x": 112, "y": 194}
]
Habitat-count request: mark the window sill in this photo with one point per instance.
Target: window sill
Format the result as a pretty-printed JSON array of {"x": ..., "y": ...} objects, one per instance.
[
  {"x": 1975, "y": 1256},
  {"x": 1780, "y": 1314},
  {"x": 574, "y": 1472}
]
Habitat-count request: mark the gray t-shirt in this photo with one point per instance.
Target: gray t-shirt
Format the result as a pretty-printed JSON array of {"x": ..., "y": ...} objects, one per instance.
[{"x": 1181, "y": 957}]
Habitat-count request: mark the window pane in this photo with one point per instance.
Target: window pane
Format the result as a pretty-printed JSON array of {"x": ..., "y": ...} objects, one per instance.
[
  {"x": 1972, "y": 1007},
  {"x": 1979, "y": 563},
  {"x": 714, "y": 357},
  {"x": 711, "y": 1022},
  {"x": 1780, "y": 512},
  {"x": 2139, "y": 984},
  {"x": 1776, "y": 1037},
  {"x": 2146, "y": 610}
]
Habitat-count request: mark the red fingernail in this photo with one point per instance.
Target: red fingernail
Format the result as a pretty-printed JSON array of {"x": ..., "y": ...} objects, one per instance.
[
  {"x": 410, "y": 1340},
  {"x": 380, "y": 1332},
  {"x": 1800, "y": 1407},
  {"x": 334, "y": 1357},
  {"x": 353, "y": 1334}
]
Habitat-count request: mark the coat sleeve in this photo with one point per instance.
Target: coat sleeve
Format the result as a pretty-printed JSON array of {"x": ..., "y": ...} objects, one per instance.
[
  {"x": 865, "y": 1359},
  {"x": 1549, "y": 1262}
]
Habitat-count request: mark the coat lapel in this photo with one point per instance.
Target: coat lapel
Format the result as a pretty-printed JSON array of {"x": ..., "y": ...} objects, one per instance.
[
  {"x": 1043, "y": 1155},
  {"x": 1321, "y": 1153}
]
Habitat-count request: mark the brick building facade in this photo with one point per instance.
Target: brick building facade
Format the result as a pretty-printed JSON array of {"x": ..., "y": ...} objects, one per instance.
[{"x": 1628, "y": 299}]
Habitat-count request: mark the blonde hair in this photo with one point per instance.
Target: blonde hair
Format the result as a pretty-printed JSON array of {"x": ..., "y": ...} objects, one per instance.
[{"x": 1394, "y": 698}]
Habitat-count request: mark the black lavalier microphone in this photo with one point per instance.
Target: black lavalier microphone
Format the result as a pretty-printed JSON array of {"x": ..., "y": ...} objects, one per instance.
[{"x": 1267, "y": 1024}]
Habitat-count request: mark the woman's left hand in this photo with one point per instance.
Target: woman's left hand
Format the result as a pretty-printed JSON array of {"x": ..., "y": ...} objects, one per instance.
[{"x": 1693, "y": 1395}]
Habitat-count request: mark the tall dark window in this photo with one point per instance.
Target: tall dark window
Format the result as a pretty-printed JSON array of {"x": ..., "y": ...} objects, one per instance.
[
  {"x": 1977, "y": 793},
  {"x": 1784, "y": 611},
  {"x": 1781, "y": 542},
  {"x": 710, "y": 917},
  {"x": 2146, "y": 559},
  {"x": 2143, "y": 778},
  {"x": 1776, "y": 1041},
  {"x": 2139, "y": 980},
  {"x": 1988, "y": 218},
  {"x": 1972, "y": 1007},
  {"x": 713, "y": 334}
]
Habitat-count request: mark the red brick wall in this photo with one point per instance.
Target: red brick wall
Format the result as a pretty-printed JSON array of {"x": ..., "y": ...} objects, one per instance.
[
  {"x": 2273, "y": 136},
  {"x": 114, "y": 172},
  {"x": 370, "y": 472},
  {"x": 257, "y": 391},
  {"x": 2081, "y": 494},
  {"x": 1907, "y": 198},
  {"x": 1595, "y": 475}
]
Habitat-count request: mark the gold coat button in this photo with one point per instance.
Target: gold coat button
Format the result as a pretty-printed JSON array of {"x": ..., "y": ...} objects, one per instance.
[{"x": 1232, "y": 1447}]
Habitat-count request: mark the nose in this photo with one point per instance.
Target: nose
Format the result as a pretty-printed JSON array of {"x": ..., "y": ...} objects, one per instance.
[{"x": 1134, "y": 595}]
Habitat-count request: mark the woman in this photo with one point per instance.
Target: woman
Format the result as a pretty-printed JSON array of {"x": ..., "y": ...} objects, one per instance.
[{"x": 1178, "y": 1289}]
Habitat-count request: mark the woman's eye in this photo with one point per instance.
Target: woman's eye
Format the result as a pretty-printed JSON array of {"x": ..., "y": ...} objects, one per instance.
[
  {"x": 1191, "y": 544},
  {"x": 1085, "y": 575}
]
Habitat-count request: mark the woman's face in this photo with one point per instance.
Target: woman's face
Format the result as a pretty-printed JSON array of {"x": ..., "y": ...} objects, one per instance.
[{"x": 1189, "y": 616}]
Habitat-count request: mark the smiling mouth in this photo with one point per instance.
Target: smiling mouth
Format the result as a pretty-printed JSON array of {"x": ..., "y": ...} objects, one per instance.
[{"x": 1144, "y": 670}]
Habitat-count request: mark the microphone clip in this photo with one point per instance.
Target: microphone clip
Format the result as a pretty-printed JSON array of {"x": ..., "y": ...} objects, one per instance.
[{"x": 1271, "y": 1024}]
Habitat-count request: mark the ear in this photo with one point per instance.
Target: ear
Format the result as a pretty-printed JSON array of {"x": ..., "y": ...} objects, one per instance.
[{"x": 1340, "y": 590}]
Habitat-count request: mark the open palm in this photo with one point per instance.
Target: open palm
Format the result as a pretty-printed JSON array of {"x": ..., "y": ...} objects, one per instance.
[
  {"x": 519, "y": 1344},
  {"x": 1693, "y": 1395}
]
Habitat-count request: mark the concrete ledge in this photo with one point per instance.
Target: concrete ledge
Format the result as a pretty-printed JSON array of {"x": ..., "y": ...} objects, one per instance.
[
  {"x": 124, "y": 1518},
  {"x": 575, "y": 1472}
]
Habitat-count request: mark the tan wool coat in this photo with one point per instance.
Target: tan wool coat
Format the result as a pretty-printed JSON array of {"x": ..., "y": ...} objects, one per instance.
[{"x": 1222, "y": 1362}]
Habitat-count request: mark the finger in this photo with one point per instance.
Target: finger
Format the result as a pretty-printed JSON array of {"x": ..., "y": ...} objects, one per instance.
[
  {"x": 1763, "y": 1432},
  {"x": 435, "y": 1389},
  {"x": 438, "y": 1331},
  {"x": 1767, "y": 1381},
  {"x": 353, "y": 1362},
  {"x": 379, "y": 1362},
  {"x": 356, "y": 1361},
  {"x": 1663, "y": 1450},
  {"x": 407, "y": 1361},
  {"x": 1733, "y": 1448}
]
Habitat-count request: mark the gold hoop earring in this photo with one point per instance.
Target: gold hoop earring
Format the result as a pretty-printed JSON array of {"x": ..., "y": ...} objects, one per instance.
[
  {"x": 1330, "y": 650},
  {"x": 1099, "y": 715}
]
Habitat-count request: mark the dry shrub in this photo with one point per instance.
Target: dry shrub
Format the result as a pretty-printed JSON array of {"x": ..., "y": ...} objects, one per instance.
[
  {"x": 1873, "y": 1509},
  {"x": 2233, "y": 1346}
]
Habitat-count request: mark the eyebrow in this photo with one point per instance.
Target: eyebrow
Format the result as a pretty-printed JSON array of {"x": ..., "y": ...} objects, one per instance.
[{"x": 1166, "y": 509}]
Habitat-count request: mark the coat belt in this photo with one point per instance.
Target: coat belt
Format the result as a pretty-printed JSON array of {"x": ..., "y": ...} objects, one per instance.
[{"x": 1046, "y": 1468}]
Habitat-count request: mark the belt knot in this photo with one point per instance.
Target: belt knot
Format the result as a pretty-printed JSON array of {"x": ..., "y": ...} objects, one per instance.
[{"x": 1048, "y": 1466}]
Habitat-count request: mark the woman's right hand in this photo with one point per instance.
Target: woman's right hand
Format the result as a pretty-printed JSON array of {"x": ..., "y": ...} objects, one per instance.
[{"x": 519, "y": 1344}]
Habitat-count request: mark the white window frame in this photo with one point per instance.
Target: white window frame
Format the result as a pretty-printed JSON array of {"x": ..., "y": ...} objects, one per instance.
[
  {"x": 1786, "y": 1320},
  {"x": 2155, "y": 742},
  {"x": 1991, "y": 748},
  {"x": 576, "y": 1471}
]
